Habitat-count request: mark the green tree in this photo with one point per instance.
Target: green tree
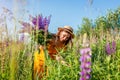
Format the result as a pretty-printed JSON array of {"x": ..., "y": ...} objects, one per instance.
[{"x": 86, "y": 27}]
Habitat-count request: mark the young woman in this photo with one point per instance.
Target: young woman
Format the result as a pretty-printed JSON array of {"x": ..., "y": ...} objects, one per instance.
[{"x": 59, "y": 41}]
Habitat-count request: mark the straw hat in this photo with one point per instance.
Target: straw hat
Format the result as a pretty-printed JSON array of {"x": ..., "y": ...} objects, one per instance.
[{"x": 69, "y": 29}]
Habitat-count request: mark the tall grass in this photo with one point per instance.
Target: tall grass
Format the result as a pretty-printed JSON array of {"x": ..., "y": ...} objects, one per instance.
[{"x": 16, "y": 60}]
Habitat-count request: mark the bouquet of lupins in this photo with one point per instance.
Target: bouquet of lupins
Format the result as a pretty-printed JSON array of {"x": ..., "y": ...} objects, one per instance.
[{"x": 38, "y": 29}]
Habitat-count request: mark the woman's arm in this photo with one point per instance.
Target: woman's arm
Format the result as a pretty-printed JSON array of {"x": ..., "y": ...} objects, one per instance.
[{"x": 60, "y": 59}]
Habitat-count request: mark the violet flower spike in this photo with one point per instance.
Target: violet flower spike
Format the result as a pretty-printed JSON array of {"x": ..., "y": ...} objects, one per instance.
[
  {"x": 108, "y": 49},
  {"x": 85, "y": 60},
  {"x": 111, "y": 48},
  {"x": 40, "y": 22}
]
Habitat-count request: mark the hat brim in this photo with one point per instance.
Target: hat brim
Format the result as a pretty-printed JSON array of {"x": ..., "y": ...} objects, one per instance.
[{"x": 64, "y": 29}]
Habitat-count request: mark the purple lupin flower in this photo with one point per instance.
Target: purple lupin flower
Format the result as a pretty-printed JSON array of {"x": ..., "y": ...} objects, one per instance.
[
  {"x": 41, "y": 22},
  {"x": 34, "y": 20},
  {"x": 110, "y": 48},
  {"x": 85, "y": 60}
]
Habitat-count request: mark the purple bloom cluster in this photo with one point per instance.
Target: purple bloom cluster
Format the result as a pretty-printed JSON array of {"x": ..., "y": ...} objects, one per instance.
[
  {"x": 110, "y": 48},
  {"x": 39, "y": 23},
  {"x": 85, "y": 60}
]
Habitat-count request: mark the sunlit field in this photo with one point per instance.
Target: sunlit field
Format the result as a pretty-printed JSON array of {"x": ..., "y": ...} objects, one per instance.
[{"x": 103, "y": 38}]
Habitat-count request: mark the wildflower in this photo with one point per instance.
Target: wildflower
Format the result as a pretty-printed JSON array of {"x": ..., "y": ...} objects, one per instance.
[
  {"x": 38, "y": 28},
  {"x": 110, "y": 48},
  {"x": 85, "y": 60},
  {"x": 39, "y": 23}
]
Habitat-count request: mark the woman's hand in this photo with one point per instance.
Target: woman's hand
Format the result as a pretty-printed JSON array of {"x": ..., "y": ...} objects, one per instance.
[
  {"x": 60, "y": 59},
  {"x": 65, "y": 63}
]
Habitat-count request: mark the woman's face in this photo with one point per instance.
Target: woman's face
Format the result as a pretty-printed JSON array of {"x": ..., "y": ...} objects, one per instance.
[{"x": 64, "y": 36}]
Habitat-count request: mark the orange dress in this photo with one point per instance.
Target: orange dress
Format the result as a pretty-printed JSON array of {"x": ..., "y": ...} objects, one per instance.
[{"x": 54, "y": 48}]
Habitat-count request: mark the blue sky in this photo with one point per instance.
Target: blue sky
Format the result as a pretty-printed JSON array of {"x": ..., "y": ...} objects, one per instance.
[{"x": 64, "y": 12}]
